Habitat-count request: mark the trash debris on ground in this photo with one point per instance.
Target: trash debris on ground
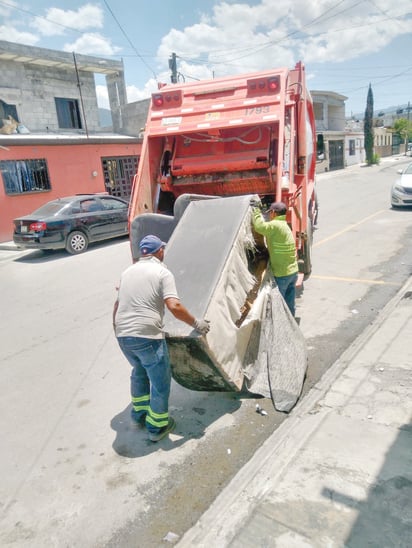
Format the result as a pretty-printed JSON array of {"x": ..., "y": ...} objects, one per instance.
[
  {"x": 260, "y": 410},
  {"x": 171, "y": 537}
]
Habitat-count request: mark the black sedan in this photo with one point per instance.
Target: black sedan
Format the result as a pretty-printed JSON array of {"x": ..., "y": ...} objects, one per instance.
[{"x": 72, "y": 222}]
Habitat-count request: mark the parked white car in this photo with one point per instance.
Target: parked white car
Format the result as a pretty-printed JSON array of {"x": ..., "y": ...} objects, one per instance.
[{"x": 401, "y": 192}]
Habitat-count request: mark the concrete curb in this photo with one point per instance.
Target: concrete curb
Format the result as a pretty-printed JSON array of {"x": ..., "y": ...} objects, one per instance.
[
  {"x": 10, "y": 246},
  {"x": 279, "y": 450}
]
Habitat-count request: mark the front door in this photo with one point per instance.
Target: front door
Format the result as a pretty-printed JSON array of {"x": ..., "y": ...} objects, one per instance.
[
  {"x": 336, "y": 159},
  {"x": 118, "y": 175}
]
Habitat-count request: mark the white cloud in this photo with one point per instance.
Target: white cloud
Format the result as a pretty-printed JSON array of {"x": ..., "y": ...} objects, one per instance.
[
  {"x": 7, "y": 9},
  {"x": 11, "y": 34},
  {"x": 240, "y": 37},
  {"x": 58, "y": 21},
  {"x": 351, "y": 42},
  {"x": 133, "y": 93},
  {"x": 92, "y": 44},
  {"x": 235, "y": 38},
  {"x": 136, "y": 94}
]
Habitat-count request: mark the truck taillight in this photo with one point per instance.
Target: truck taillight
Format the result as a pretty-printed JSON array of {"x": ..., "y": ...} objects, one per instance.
[
  {"x": 38, "y": 227},
  {"x": 157, "y": 100},
  {"x": 274, "y": 84},
  {"x": 168, "y": 99},
  {"x": 258, "y": 86}
]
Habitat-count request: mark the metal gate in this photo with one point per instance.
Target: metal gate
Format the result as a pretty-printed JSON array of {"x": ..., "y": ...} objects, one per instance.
[
  {"x": 336, "y": 150},
  {"x": 118, "y": 173}
]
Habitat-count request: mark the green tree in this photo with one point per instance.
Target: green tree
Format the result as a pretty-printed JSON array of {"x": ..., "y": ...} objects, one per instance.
[
  {"x": 403, "y": 128},
  {"x": 368, "y": 128}
]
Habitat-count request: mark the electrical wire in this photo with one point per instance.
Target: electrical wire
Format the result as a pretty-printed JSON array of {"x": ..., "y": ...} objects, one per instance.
[
  {"x": 256, "y": 49},
  {"x": 128, "y": 39},
  {"x": 77, "y": 31},
  {"x": 17, "y": 8}
]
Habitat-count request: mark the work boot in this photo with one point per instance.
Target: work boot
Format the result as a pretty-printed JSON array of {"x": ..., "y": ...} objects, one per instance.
[
  {"x": 163, "y": 431},
  {"x": 140, "y": 422}
]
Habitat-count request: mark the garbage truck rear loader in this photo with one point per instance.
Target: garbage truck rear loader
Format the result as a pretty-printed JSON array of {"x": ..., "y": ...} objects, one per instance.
[
  {"x": 244, "y": 134},
  {"x": 208, "y": 147}
]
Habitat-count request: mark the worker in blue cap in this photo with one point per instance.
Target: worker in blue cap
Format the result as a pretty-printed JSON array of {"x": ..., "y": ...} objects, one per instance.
[{"x": 145, "y": 288}]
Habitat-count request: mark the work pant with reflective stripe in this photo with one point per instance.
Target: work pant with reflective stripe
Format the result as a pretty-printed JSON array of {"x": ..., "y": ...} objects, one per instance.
[{"x": 150, "y": 380}]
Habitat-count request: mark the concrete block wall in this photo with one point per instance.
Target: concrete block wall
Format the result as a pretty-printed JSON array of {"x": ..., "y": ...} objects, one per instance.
[
  {"x": 33, "y": 89},
  {"x": 116, "y": 89},
  {"x": 134, "y": 117}
]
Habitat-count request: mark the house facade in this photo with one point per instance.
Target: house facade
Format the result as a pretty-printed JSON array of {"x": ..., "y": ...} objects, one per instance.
[
  {"x": 52, "y": 91},
  {"x": 35, "y": 169},
  {"x": 336, "y": 147},
  {"x": 51, "y": 141},
  {"x": 383, "y": 141}
]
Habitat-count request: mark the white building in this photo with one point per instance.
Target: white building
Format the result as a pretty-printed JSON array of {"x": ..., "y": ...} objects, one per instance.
[{"x": 337, "y": 148}]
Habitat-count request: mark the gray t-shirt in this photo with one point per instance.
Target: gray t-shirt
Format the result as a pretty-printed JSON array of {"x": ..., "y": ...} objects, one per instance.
[{"x": 143, "y": 288}]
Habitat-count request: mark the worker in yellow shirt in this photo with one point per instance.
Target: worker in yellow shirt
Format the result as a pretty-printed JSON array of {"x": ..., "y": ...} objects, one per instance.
[{"x": 282, "y": 249}]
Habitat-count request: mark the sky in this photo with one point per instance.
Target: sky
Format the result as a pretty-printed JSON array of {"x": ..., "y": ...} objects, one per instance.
[{"x": 345, "y": 44}]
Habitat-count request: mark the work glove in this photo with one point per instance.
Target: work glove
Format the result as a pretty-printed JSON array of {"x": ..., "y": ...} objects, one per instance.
[
  {"x": 256, "y": 202},
  {"x": 202, "y": 326}
]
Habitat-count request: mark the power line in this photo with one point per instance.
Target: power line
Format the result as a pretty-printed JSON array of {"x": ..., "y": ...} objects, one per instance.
[
  {"x": 40, "y": 17},
  {"x": 128, "y": 39},
  {"x": 255, "y": 49},
  {"x": 204, "y": 59},
  {"x": 292, "y": 33},
  {"x": 77, "y": 31}
]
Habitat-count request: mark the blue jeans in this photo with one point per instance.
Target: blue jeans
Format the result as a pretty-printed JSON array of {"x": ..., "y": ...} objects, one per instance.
[
  {"x": 286, "y": 286},
  {"x": 150, "y": 380}
]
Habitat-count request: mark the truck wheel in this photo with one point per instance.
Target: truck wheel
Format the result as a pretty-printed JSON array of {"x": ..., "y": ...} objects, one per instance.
[
  {"x": 76, "y": 242},
  {"x": 307, "y": 250}
]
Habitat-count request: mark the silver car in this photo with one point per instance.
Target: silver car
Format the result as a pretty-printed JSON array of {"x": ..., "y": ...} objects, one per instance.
[{"x": 401, "y": 192}]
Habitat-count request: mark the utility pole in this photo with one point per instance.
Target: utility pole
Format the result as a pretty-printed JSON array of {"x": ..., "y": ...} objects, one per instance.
[{"x": 173, "y": 68}]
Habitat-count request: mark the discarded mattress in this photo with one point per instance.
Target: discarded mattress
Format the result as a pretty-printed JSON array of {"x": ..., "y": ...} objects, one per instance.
[
  {"x": 207, "y": 254},
  {"x": 213, "y": 257}
]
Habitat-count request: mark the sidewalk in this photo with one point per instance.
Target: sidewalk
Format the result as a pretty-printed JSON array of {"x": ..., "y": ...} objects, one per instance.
[
  {"x": 9, "y": 251},
  {"x": 338, "y": 471},
  {"x": 9, "y": 246}
]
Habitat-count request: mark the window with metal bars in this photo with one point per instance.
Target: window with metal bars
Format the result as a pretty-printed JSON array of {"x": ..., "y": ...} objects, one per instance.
[
  {"x": 118, "y": 174},
  {"x": 20, "y": 176}
]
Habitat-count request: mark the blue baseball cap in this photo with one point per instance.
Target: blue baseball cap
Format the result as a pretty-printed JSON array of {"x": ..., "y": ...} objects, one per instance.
[
  {"x": 278, "y": 207},
  {"x": 150, "y": 244}
]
